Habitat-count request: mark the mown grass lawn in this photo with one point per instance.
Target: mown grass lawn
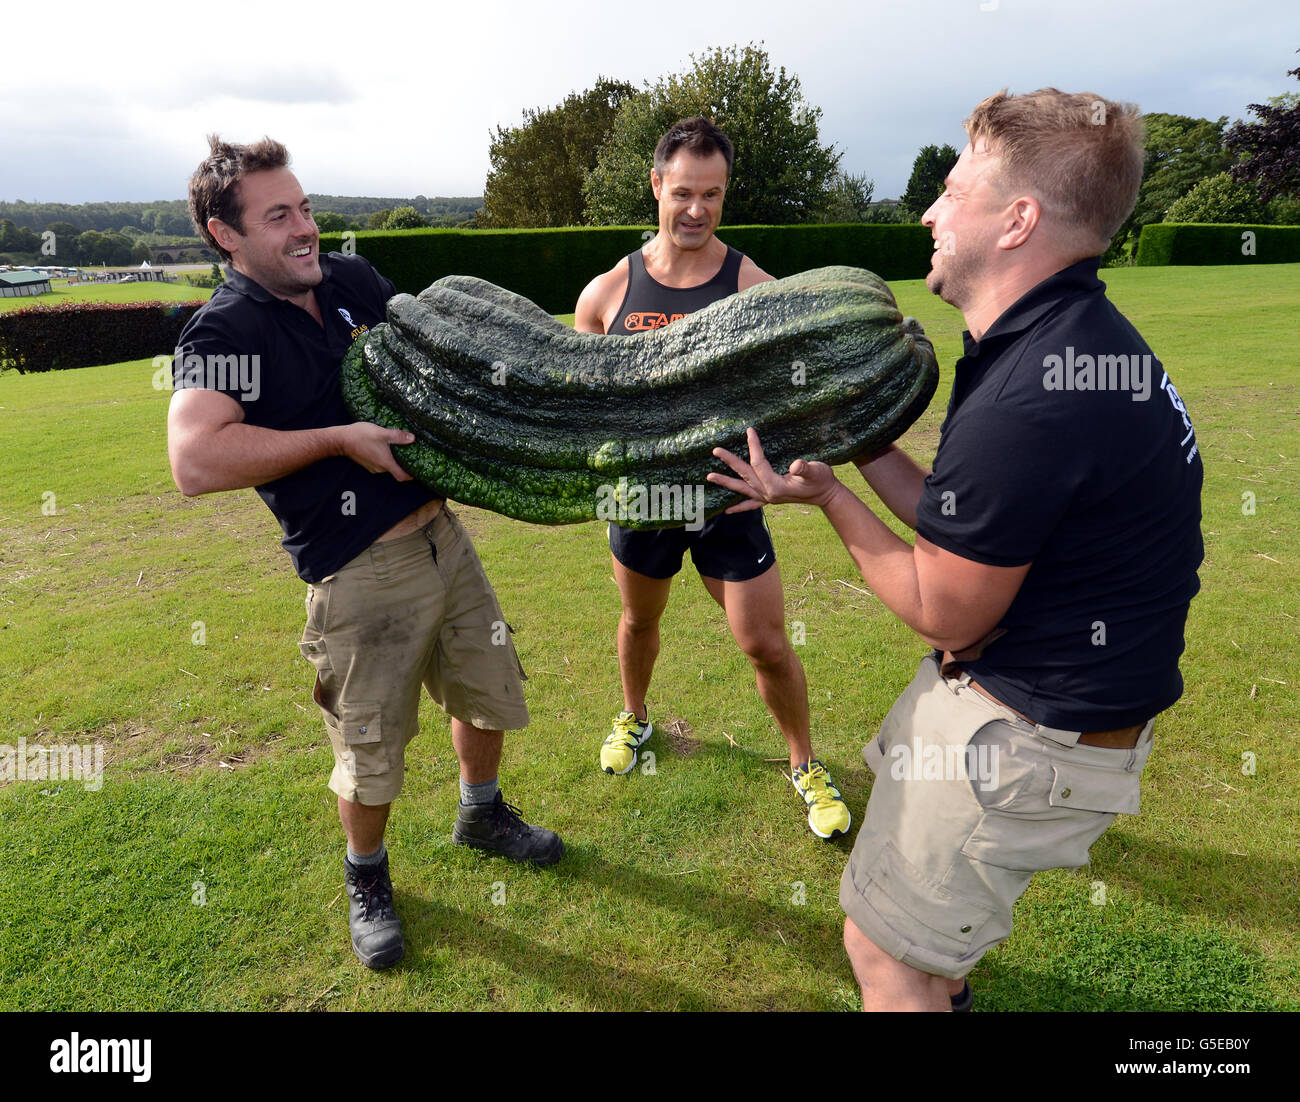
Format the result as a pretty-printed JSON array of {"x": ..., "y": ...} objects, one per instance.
[
  {"x": 206, "y": 873},
  {"x": 62, "y": 292}
]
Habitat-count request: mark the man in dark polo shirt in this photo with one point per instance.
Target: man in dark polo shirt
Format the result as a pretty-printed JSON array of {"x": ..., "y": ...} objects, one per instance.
[
  {"x": 1057, "y": 544},
  {"x": 396, "y": 595}
]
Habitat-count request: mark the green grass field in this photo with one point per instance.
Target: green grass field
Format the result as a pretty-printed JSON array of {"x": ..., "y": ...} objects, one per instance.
[
  {"x": 61, "y": 292},
  {"x": 206, "y": 873}
]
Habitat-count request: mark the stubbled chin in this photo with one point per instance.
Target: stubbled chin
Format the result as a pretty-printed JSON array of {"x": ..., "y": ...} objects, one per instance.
[{"x": 308, "y": 276}]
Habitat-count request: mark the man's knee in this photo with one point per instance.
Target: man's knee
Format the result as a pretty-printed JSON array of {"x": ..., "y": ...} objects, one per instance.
[
  {"x": 864, "y": 954},
  {"x": 889, "y": 983},
  {"x": 640, "y": 622},
  {"x": 767, "y": 648}
]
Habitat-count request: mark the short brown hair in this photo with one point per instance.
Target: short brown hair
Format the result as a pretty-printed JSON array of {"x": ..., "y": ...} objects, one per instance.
[
  {"x": 1079, "y": 154},
  {"x": 214, "y": 191},
  {"x": 697, "y": 136}
]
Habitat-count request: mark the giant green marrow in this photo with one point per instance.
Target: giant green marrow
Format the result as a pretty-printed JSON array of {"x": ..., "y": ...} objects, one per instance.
[{"x": 515, "y": 412}]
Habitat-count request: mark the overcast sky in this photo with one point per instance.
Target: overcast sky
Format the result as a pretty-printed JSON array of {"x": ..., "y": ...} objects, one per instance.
[{"x": 112, "y": 102}]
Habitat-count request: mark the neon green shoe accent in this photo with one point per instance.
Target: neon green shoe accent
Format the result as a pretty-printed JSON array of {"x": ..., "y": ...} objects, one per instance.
[
  {"x": 828, "y": 814},
  {"x": 618, "y": 752}
]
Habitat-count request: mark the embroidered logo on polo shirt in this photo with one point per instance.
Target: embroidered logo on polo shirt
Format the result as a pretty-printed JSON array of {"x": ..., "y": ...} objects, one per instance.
[{"x": 357, "y": 330}]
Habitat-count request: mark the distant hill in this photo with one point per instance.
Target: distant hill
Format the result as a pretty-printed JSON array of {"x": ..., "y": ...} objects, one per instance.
[
  {"x": 439, "y": 207},
  {"x": 171, "y": 216},
  {"x": 166, "y": 216}
]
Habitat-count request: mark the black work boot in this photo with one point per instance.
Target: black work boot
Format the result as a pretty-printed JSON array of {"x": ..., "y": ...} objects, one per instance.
[
  {"x": 498, "y": 827},
  {"x": 376, "y": 929}
]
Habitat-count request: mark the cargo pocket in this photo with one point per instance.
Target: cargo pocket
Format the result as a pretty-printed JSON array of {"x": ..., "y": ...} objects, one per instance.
[
  {"x": 355, "y": 727},
  {"x": 898, "y": 720},
  {"x": 903, "y": 896},
  {"x": 519, "y": 666},
  {"x": 1054, "y": 818},
  {"x": 360, "y": 731},
  {"x": 874, "y": 754},
  {"x": 312, "y": 647}
]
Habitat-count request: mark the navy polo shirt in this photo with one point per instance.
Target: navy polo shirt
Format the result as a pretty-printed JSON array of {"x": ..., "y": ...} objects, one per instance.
[
  {"x": 1066, "y": 445},
  {"x": 283, "y": 368}
]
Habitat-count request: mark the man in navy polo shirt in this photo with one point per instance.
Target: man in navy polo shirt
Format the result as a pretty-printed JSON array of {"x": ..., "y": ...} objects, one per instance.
[
  {"x": 1057, "y": 544},
  {"x": 396, "y": 594}
]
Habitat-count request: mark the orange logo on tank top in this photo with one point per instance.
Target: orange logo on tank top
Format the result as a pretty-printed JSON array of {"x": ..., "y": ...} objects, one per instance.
[{"x": 641, "y": 320}]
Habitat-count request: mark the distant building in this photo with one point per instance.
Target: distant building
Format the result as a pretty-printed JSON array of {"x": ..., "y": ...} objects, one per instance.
[{"x": 16, "y": 284}]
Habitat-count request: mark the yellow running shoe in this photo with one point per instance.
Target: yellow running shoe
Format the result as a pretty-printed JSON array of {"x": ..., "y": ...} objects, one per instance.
[
  {"x": 828, "y": 814},
  {"x": 618, "y": 752}
]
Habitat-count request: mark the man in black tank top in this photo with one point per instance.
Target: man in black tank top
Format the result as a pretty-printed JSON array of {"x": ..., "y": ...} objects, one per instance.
[{"x": 682, "y": 269}]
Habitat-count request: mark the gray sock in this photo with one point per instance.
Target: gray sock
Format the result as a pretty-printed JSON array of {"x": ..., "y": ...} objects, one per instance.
[
  {"x": 484, "y": 793},
  {"x": 368, "y": 859}
]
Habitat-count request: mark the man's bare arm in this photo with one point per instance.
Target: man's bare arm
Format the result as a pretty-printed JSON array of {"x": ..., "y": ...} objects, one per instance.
[
  {"x": 599, "y": 298},
  {"x": 211, "y": 449},
  {"x": 897, "y": 480},
  {"x": 950, "y": 602},
  {"x": 749, "y": 274}
]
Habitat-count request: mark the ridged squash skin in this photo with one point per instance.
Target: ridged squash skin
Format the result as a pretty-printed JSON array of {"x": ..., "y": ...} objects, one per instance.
[{"x": 515, "y": 412}]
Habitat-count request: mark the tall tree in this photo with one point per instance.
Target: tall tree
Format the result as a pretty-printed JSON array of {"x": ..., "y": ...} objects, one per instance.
[
  {"x": 782, "y": 170},
  {"x": 1271, "y": 146},
  {"x": 1179, "y": 152},
  {"x": 848, "y": 199},
  {"x": 64, "y": 243},
  {"x": 538, "y": 167},
  {"x": 404, "y": 218},
  {"x": 1217, "y": 199},
  {"x": 929, "y": 171}
]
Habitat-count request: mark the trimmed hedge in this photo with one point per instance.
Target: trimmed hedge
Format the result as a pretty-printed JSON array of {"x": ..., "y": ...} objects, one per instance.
[
  {"x": 1202, "y": 243},
  {"x": 84, "y": 334},
  {"x": 552, "y": 266}
]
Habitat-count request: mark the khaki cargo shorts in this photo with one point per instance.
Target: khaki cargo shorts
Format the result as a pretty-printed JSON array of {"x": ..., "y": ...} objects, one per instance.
[
  {"x": 408, "y": 611},
  {"x": 969, "y": 801}
]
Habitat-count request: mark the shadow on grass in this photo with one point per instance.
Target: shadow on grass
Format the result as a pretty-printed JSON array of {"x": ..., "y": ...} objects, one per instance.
[
  {"x": 593, "y": 983},
  {"x": 1208, "y": 881}
]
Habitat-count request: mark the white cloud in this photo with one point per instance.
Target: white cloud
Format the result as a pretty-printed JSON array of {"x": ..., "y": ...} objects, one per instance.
[{"x": 405, "y": 100}]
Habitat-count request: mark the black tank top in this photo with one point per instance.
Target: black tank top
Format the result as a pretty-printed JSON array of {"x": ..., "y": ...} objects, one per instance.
[{"x": 648, "y": 304}]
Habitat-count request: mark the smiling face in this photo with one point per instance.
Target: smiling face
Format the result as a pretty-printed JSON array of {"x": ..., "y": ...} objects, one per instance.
[
  {"x": 966, "y": 222},
  {"x": 690, "y": 194},
  {"x": 279, "y": 245}
]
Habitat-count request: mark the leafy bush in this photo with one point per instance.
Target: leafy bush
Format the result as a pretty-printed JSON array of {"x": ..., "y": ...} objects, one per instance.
[
  {"x": 84, "y": 334},
  {"x": 404, "y": 218},
  {"x": 1284, "y": 211},
  {"x": 1218, "y": 199},
  {"x": 1177, "y": 243}
]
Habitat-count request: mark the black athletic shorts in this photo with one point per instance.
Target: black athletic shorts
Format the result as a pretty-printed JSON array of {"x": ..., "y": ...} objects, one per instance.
[{"x": 733, "y": 547}]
